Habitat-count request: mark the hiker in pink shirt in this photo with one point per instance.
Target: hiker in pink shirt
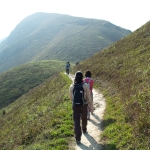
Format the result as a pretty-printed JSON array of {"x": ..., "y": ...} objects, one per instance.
[{"x": 90, "y": 83}]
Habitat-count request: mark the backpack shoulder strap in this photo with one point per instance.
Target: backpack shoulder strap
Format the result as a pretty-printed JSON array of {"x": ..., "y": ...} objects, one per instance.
[
  {"x": 79, "y": 84},
  {"x": 76, "y": 85},
  {"x": 87, "y": 80}
]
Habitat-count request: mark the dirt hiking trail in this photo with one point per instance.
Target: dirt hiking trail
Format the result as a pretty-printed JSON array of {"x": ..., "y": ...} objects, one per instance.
[{"x": 91, "y": 139}]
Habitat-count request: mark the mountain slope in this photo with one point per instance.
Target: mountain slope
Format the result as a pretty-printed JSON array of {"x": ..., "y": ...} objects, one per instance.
[
  {"x": 122, "y": 71},
  {"x": 40, "y": 119},
  {"x": 53, "y": 36},
  {"x": 19, "y": 80}
]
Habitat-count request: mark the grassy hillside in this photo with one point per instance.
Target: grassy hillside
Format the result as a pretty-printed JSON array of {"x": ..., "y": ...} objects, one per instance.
[
  {"x": 44, "y": 36},
  {"x": 40, "y": 119},
  {"x": 122, "y": 73},
  {"x": 20, "y": 80}
]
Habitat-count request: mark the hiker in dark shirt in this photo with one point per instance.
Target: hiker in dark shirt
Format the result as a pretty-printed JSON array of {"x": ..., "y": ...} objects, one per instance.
[
  {"x": 82, "y": 110},
  {"x": 67, "y": 68}
]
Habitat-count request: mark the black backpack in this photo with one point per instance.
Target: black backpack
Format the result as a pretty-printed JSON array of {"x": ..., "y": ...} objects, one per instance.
[{"x": 78, "y": 95}]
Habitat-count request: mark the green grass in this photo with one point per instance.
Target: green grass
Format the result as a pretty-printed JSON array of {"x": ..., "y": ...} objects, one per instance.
[
  {"x": 122, "y": 73},
  {"x": 21, "y": 79},
  {"x": 40, "y": 119}
]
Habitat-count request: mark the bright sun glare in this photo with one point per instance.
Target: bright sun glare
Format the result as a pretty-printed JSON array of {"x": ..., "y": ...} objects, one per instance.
[{"x": 126, "y": 14}]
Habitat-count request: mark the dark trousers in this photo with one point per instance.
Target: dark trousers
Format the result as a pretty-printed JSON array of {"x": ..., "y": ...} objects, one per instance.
[
  {"x": 79, "y": 113},
  {"x": 67, "y": 71}
]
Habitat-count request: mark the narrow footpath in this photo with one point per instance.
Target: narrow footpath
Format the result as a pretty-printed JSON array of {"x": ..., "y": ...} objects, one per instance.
[{"x": 91, "y": 139}]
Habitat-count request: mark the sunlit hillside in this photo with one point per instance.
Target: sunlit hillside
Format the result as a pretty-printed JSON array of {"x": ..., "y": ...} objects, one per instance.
[
  {"x": 40, "y": 119},
  {"x": 21, "y": 79},
  {"x": 46, "y": 36},
  {"x": 122, "y": 72}
]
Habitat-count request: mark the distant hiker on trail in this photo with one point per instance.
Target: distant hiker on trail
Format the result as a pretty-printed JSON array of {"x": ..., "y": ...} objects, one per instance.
[
  {"x": 90, "y": 83},
  {"x": 67, "y": 68},
  {"x": 80, "y": 95},
  {"x": 77, "y": 63}
]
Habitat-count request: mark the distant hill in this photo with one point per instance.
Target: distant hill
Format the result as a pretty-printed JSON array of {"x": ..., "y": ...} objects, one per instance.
[
  {"x": 19, "y": 80},
  {"x": 0, "y": 43},
  {"x": 122, "y": 72},
  {"x": 42, "y": 117},
  {"x": 43, "y": 36}
]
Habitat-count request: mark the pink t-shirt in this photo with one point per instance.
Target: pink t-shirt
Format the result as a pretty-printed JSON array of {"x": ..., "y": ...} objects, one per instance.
[{"x": 90, "y": 81}]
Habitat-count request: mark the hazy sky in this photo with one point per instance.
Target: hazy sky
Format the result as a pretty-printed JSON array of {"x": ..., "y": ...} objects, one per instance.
[{"x": 129, "y": 14}]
